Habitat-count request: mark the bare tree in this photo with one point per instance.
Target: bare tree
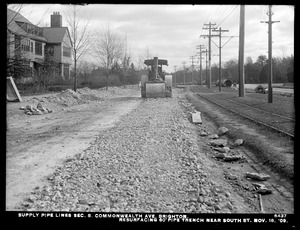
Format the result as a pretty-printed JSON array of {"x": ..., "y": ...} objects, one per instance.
[
  {"x": 147, "y": 54},
  {"x": 283, "y": 49},
  {"x": 126, "y": 59},
  {"x": 81, "y": 38},
  {"x": 108, "y": 49}
]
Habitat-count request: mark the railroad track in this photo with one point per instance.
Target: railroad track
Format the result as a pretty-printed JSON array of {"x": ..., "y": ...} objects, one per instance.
[{"x": 255, "y": 115}]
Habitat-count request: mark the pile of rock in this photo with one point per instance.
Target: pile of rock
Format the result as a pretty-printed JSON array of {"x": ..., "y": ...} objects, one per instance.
[
  {"x": 35, "y": 110},
  {"x": 220, "y": 145}
]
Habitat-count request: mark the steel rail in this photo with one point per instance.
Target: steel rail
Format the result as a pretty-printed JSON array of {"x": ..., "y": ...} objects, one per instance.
[
  {"x": 265, "y": 111},
  {"x": 247, "y": 117}
]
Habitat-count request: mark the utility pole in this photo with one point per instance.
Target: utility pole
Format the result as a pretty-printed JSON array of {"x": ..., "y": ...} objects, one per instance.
[
  {"x": 175, "y": 66},
  {"x": 192, "y": 57},
  {"x": 206, "y": 77},
  {"x": 270, "y": 67},
  {"x": 220, "y": 47},
  {"x": 183, "y": 72},
  {"x": 241, "y": 52},
  {"x": 200, "y": 47},
  {"x": 209, "y": 28}
]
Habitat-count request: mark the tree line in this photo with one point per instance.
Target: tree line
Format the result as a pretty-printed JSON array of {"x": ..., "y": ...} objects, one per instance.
[{"x": 256, "y": 72}]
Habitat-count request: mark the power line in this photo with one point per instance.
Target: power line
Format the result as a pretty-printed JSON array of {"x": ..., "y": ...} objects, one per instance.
[
  {"x": 227, "y": 16},
  {"x": 224, "y": 13},
  {"x": 206, "y": 17}
]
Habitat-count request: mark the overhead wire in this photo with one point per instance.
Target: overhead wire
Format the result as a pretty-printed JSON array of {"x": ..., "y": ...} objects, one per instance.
[
  {"x": 227, "y": 16},
  {"x": 224, "y": 12}
]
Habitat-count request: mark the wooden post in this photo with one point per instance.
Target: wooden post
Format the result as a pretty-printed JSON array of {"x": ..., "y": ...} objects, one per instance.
[{"x": 241, "y": 52}]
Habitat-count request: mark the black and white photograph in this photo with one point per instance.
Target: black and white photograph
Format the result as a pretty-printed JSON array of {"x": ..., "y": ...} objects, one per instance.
[{"x": 150, "y": 113}]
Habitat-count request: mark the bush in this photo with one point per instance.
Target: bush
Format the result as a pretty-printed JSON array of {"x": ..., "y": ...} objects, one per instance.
[{"x": 260, "y": 89}]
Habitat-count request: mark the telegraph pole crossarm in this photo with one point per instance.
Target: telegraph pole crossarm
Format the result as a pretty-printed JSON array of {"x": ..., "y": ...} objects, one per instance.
[{"x": 209, "y": 28}]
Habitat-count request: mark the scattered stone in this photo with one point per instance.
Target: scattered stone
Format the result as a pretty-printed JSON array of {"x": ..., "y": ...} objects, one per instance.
[
  {"x": 203, "y": 133},
  {"x": 217, "y": 207},
  {"x": 29, "y": 107},
  {"x": 83, "y": 201},
  {"x": 223, "y": 150},
  {"x": 227, "y": 194},
  {"x": 232, "y": 158},
  {"x": 264, "y": 191},
  {"x": 108, "y": 178},
  {"x": 222, "y": 130},
  {"x": 30, "y": 199},
  {"x": 26, "y": 204},
  {"x": 213, "y": 136},
  {"x": 22, "y": 108},
  {"x": 220, "y": 155},
  {"x": 228, "y": 205},
  {"x": 196, "y": 117},
  {"x": 39, "y": 106},
  {"x": 238, "y": 142},
  {"x": 38, "y": 110},
  {"x": 218, "y": 143},
  {"x": 231, "y": 176},
  {"x": 257, "y": 176},
  {"x": 91, "y": 203},
  {"x": 257, "y": 185}
]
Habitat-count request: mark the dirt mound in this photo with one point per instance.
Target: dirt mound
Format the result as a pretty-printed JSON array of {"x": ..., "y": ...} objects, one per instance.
[{"x": 84, "y": 95}]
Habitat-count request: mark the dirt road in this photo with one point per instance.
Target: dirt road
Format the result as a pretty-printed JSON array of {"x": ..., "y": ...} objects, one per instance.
[
  {"x": 153, "y": 160},
  {"x": 37, "y": 145}
]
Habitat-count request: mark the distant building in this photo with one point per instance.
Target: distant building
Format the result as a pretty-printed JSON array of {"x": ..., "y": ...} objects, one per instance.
[
  {"x": 25, "y": 40},
  {"x": 32, "y": 42},
  {"x": 59, "y": 44}
]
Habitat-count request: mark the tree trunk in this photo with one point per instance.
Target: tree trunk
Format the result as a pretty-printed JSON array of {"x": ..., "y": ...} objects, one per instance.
[
  {"x": 107, "y": 81},
  {"x": 75, "y": 74},
  {"x": 124, "y": 81}
]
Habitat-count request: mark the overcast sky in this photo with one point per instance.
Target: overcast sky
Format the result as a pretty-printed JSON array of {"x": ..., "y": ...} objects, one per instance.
[{"x": 172, "y": 32}]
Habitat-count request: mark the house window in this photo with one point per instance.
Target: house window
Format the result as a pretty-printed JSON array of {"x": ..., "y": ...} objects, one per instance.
[
  {"x": 31, "y": 47},
  {"x": 66, "y": 51},
  {"x": 50, "y": 50},
  {"x": 38, "y": 48},
  {"x": 66, "y": 71},
  {"x": 25, "y": 44}
]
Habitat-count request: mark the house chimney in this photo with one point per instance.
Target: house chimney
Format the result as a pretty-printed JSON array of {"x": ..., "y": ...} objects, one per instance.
[{"x": 56, "y": 20}]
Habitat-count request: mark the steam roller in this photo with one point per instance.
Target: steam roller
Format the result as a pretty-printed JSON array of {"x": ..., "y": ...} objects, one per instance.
[{"x": 156, "y": 84}]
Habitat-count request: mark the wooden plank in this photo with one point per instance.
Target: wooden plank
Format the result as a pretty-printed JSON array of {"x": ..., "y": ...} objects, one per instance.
[
  {"x": 12, "y": 93},
  {"x": 196, "y": 118}
]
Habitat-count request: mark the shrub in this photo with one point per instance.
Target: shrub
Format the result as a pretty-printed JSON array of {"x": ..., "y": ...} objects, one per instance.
[{"x": 260, "y": 89}]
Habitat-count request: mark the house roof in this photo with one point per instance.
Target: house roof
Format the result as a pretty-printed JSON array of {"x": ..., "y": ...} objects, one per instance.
[
  {"x": 55, "y": 34},
  {"x": 12, "y": 18}
]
